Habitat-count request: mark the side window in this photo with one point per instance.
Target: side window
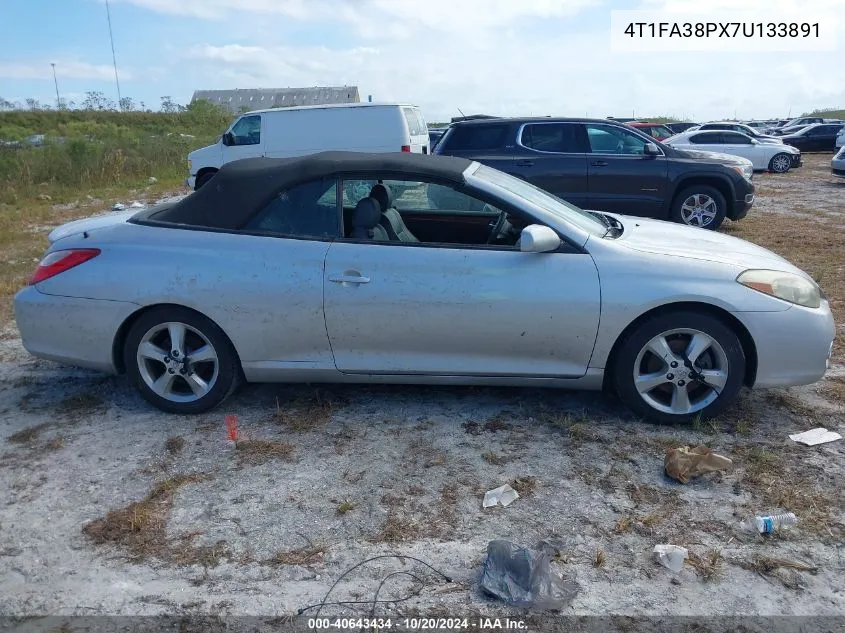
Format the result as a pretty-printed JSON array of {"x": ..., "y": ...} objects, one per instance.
[
  {"x": 415, "y": 126},
  {"x": 708, "y": 138},
  {"x": 247, "y": 131},
  {"x": 307, "y": 210},
  {"x": 417, "y": 197},
  {"x": 733, "y": 138},
  {"x": 614, "y": 140},
  {"x": 552, "y": 137},
  {"x": 476, "y": 137}
]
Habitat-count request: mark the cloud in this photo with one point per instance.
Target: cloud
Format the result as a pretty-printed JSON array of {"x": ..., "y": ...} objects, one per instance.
[{"x": 66, "y": 69}]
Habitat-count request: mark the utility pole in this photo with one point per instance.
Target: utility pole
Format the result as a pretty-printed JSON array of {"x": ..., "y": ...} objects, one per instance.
[
  {"x": 56, "y": 82},
  {"x": 114, "y": 59}
]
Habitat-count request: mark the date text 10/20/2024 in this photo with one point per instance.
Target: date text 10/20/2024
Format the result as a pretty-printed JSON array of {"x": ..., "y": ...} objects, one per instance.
[{"x": 417, "y": 624}]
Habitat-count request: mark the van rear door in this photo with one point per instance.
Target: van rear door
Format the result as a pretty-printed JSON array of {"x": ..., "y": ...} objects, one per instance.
[{"x": 417, "y": 130}]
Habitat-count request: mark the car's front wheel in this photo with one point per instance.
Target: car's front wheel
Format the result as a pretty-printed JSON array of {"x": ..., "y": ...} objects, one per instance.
[
  {"x": 180, "y": 361},
  {"x": 780, "y": 163},
  {"x": 700, "y": 205},
  {"x": 678, "y": 366}
]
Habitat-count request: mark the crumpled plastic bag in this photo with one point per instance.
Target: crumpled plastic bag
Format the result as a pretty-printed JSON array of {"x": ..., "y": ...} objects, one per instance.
[
  {"x": 670, "y": 556},
  {"x": 524, "y": 578},
  {"x": 684, "y": 463}
]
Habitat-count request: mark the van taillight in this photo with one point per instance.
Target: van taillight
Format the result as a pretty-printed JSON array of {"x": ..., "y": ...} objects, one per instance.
[
  {"x": 406, "y": 148},
  {"x": 60, "y": 261}
]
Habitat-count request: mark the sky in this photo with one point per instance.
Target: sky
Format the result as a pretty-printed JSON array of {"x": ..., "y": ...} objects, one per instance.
[{"x": 504, "y": 57}]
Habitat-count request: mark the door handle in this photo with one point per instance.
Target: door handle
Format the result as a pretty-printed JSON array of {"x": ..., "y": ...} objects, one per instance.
[
  {"x": 349, "y": 277},
  {"x": 599, "y": 163},
  {"x": 525, "y": 163}
]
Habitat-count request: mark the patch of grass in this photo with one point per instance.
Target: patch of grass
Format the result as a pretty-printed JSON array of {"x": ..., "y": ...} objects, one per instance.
[
  {"x": 492, "y": 458},
  {"x": 257, "y": 452},
  {"x": 599, "y": 558},
  {"x": 345, "y": 507},
  {"x": 55, "y": 444},
  {"x": 80, "y": 405},
  {"x": 708, "y": 566},
  {"x": 396, "y": 529},
  {"x": 27, "y": 435},
  {"x": 140, "y": 527},
  {"x": 305, "y": 413},
  {"x": 308, "y": 555},
  {"x": 525, "y": 486},
  {"x": 833, "y": 389},
  {"x": 174, "y": 444},
  {"x": 623, "y": 525}
]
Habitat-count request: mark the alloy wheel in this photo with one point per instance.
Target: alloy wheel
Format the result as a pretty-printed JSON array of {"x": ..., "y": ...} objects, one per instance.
[
  {"x": 681, "y": 371},
  {"x": 781, "y": 164},
  {"x": 699, "y": 210},
  {"x": 177, "y": 362}
]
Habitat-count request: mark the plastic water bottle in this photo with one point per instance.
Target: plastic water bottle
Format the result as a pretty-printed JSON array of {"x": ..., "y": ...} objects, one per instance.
[{"x": 768, "y": 523}]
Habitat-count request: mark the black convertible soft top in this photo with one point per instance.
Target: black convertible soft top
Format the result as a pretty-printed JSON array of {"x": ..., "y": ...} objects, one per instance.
[{"x": 242, "y": 187}]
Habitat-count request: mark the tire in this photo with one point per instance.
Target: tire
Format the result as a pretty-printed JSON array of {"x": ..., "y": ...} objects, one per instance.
[
  {"x": 201, "y": 180},
  {"x": 220, "y": 373},
  {"x": 655, "y": 398},
  {"x": 780, "y": 163},
  {"x": 700, "y": 197}
]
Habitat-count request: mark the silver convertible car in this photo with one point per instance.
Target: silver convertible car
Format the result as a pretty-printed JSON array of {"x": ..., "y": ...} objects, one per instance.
[{"x": 270, "y": 273}]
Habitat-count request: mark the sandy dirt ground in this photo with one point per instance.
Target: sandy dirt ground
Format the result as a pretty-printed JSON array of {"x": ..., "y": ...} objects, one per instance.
[{"x": 110, "y": 507}]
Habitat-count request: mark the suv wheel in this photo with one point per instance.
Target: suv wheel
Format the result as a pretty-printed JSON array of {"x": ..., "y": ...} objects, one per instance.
[
  {"x": 780, "y": 163},
  {"x": 700, "y": 205},
  {"x": 679, "y": 366}
]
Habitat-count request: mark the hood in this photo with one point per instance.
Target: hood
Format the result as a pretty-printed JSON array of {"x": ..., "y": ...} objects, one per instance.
[
  {"x": 677, "y": 240},
  {"x": 715, "y": 157},
  {"x": 98, "y": 222},
  {"x": 768, "y": 140}
]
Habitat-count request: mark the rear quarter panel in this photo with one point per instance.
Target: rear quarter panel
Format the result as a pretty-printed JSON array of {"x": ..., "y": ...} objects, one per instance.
[{"x": 266, "y": 293}]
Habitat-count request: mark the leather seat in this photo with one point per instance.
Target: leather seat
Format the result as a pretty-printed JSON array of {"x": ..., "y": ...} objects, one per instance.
[
  {"x": 365, "y": 221},
  {"x": 391, "y": 220}
]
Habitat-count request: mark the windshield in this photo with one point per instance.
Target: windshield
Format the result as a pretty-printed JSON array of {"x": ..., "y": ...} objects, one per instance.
[{"x": 546, "y": 201}]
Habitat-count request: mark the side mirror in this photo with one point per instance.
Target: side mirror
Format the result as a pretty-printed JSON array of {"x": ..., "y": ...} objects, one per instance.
[
  {"x": 651, "y": 149},
  {"x": 536, "y": 238},
  {"x": 228, "y": 139}
]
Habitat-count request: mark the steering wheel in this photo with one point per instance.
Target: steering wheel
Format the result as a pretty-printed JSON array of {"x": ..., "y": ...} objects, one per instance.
[{"x": 497, "y": 226}]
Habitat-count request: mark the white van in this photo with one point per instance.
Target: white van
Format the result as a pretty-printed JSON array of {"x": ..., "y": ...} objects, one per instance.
[{"x": 297, "y": 131}]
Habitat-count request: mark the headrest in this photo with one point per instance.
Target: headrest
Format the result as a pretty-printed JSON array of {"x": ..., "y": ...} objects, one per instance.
[
  {"x": 367, "y": 213},
  {"x": 384, "y": 196}
]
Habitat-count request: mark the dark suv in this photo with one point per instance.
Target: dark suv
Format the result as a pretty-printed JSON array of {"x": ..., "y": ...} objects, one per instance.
[{"x": 608, "y": 166}]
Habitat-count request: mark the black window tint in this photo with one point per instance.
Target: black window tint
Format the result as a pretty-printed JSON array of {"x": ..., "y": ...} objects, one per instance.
[
  {"x": 247, "y": 131},
  {"x": 735, "y": 139},
  {"x": 606, "y": 139},
  {"x": 708, "y": 138},
  {"x": 477, "y": 137},
  {"x": 307, "y": 210},
  {"x": 552, "y": 137}
]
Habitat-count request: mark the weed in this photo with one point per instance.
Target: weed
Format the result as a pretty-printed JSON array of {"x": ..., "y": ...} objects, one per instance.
[
  {"x": 345, "y": 507},
  {"x": 599, "y": 558},
  {"x": 623, "y": 525},
  {"x": 308, "y": 555},
  {"x": 708, "y": 566},
  {"x": 174, "y": 444},
  {"x": 257, "y": 452},
  {"x": 305, "y": 413},
  {"x": 27, "y": 435},
  {"x": 525, "y": 486},
  {"x": 492, "y": 458}
]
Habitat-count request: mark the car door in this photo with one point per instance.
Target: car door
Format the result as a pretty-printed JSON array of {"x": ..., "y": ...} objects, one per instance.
[
  {"x": 741, "y": 145},
  {"x": 448, "y": 309},
  {"x": 245, "y": 139},
  {"x": 621, "y": 177},
  {"x": 553, "y": 156}
]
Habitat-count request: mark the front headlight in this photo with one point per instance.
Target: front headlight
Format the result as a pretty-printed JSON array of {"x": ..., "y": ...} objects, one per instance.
[
  {"x": 746, "y": 171},
  {"x": 786, "y": 286}
]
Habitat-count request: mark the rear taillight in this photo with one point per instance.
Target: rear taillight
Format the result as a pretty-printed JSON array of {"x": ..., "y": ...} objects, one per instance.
[
  {"x": 60, "y": 261},
  {"x": 406, "y": 148}
]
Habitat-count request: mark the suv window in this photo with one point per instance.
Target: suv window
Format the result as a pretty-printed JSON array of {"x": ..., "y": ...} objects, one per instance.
[
  {"x": 247, "y": 131},
  {"x": 476, "y": 137},
  {"x": 707, "y": 138},
  {"x": 307, "y": 210},
  {"x": 552, "y": 137},
  {"x": 735, "y": 139},
  {"x": 606, "y": 139},
  {"x": 415, "y": 124}
]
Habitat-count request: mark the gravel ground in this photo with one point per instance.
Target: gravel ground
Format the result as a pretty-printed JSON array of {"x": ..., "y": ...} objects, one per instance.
[{"x": 108, "y": 507}]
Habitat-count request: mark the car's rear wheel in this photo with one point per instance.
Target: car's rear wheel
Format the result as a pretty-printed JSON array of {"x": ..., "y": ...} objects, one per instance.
[
  {"x": 700, "y": 205},
  {"x": 678, "y": 366},
  {"x": 203, "y": 179},
  {"x": 780, "y": 163},
  {"x": 180, "y": 361}
]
